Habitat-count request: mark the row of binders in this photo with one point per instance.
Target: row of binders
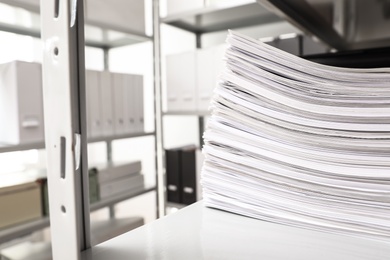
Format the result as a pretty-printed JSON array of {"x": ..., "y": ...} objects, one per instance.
[
  {"x": 24, "y": 195},
  {"x": 299, "y": 143},
  {"x": 183, "y": 166},
  {"x": 190, "y": 79},
  {"x": 114, "y": 103}
]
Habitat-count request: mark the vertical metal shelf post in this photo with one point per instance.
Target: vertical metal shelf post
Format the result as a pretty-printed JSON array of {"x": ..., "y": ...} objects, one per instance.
[
  {"x": 201, "y": 124},
  {"x": 62, "y": 26},
  {"x": 106, "y": 54},
  {"x": 160, "y": 183}
]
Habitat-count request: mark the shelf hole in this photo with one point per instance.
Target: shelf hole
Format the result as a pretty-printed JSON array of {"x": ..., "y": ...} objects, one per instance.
[
  {"x": 56, "y": 51},
  {"x": 63, "y": 209},
  {"x": 56, "y": 8}
]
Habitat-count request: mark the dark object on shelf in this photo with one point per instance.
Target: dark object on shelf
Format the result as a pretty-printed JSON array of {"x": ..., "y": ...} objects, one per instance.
[
  {"x": 188, "y": 174},
  {"x": 181, "y": 174},
  {"x": 370, "y": 58},
  {"x": 173, "y": 166}
]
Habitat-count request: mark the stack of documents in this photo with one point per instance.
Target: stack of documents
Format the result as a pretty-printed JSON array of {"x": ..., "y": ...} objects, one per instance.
[{"x": 299, "y": 143}]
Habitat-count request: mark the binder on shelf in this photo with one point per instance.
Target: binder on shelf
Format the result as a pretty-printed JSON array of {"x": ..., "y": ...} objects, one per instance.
[
  {"x": 124, "y": 15},
  {"x": 128, "y": 102},
  {"x": 139, "y": 103},
  {"x": 181, "y": 82},
  {"x": 188, "y": 175},
  {"x": 173, "y": 175},
  {"x": 94, "y": 193},
  {"x": 93, "y": 99},
  {"x": 118, "y": 102},
  {"x": 209, "y": 65},
  {"x": 134, "y": 183},
  {"x": 106, "y": 103},
  {"x": 21, "y": 103},
  {"x": 183, "y": 166},
  {"x": 199, "y": 164},
  {"x": 20, "y": 200},
  {"x": 111, "y": 171}
]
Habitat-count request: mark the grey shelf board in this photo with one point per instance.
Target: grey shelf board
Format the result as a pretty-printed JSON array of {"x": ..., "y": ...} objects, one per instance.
[
  {"x": 189, "y": 113},
  {"x": 96, "y": 35},
  {"x": 121, "y": 197},
  {"x": 175, "y": 205},
  {"x": 4, "y": 148},
  {"x": 23, "y": 229},
  {"x": 221, "y": 17},
  {"x": 27, "y": 228},
  {"x": 119, "y": 137},
  {"x": 104, "y": 37}
]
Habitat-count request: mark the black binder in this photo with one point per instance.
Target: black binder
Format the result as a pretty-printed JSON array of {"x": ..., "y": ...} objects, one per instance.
[
  {"x": 188, "y": 174},
  {"x": 173, "y": 166}
]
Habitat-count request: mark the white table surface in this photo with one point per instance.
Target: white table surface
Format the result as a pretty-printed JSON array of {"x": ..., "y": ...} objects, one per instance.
[{"x": 197, "y": 232}]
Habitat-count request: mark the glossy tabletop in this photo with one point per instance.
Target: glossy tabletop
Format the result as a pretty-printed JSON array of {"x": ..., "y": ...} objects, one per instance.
[{"x": 197, "y": 232}]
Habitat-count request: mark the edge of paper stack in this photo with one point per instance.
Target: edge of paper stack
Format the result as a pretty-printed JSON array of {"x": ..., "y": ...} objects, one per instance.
[{"x": 298, "y": 143}]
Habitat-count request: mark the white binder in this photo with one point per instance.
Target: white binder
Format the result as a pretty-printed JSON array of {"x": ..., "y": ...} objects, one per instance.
[
  {"x": 181, "y": 82},
  {"x": 139, "y": 103},
  {"x": 106, "y": 103},
  {"x": 118, "y": 93},
  {"x": 21, "y": 103},
  {"x": 94, "y": 111},
  {"x": 209, "y": 65},
  {"x": 129, "y": 106}
]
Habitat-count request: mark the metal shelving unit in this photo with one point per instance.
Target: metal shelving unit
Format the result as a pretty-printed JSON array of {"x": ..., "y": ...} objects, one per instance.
[
  {"x": 221, "y": 17},
  {"x": 29, "y": 227},
  {"x": 99, "y": 36},
  {"x": 213, "y": 19},
  {"x": 4, "y": 148}
]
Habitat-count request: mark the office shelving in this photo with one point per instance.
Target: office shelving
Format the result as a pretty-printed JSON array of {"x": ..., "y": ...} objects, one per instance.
[
  {"x": 99, "y": 36},
  {"x": 215, "y": 18},
  {"x": 29, "y": 227},
  {"x": 221, "y": 17}
]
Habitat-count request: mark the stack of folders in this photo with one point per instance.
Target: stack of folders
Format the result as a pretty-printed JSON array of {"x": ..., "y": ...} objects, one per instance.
[
  {"x": 115, "y": 179},
  {"x": 299, "y": 143}
]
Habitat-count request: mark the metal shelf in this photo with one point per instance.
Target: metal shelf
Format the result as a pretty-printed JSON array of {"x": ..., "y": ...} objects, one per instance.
[
  {"x": 96, "y": 35},
  {"x": 185, "y": 113},
  {"x": 23, "y": 229},
  {"x": 176, "y": 205},
  {"x": 118, "y": 137},
  {"x": 4, "y": 148},
  {"x": 221, "y": 17},
  {"x": 121, "y": 197},
  {"x": 31, "y": 226}
]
